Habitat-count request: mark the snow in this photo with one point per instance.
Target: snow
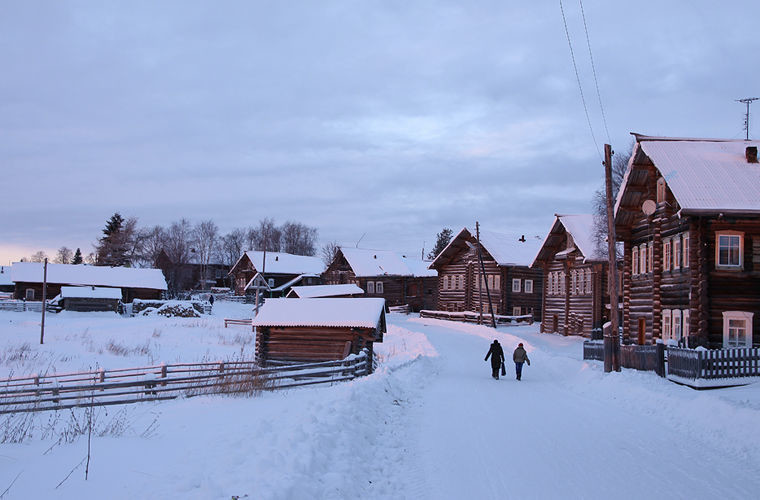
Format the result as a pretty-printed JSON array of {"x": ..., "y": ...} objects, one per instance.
[
  {"x": 315, "y": 291},
  {"x": 362, "y": 312},
  {"x": 90, "y": 292},
  {"x": 367, "y": 263},
  {"x": 285, "y": 263},
  {"x": 506, "y": 249},
  {"x": 5, "y": 275},
  {"x": 429, "y": 423},
  {"x": 68, "y": 274}
]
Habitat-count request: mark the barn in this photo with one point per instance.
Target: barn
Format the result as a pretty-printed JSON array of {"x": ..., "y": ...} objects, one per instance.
[
  {"x": 134, "y": 283},
  {"x": 89, "y": 298},
  {"x": 319, "y": 329}
]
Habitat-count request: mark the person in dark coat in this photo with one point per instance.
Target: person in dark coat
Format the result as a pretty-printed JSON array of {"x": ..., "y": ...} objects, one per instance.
[
  {"x": 520, "y": 357},
  {"x": 211, "y": 299},
  {"x": 497, "y": 358}
]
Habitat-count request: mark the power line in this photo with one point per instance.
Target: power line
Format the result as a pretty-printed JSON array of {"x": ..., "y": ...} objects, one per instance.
[
  {"x": 593, "y": 69},
  {"x": 578, "y": 79}
]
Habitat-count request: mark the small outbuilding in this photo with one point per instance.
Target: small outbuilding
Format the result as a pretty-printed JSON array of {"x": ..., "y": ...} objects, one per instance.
[
  {"x": 320, "y": 291},
  {"x": 89, "y": 298},
  {"x": 319, "y": 329}
]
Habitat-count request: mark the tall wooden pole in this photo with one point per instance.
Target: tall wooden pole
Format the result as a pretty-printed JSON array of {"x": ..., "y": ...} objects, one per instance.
[
  {"x": 44, "y": 301},
  {"x": 480, "y": 276},
  {"x": 484, "y": 281},
  {"x": 611, "y": 339}
]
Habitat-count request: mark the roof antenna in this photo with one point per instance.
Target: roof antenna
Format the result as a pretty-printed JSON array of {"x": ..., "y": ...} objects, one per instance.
[
  {"x": 747, "y": 101},
  {"x": 357, "y": 243}
]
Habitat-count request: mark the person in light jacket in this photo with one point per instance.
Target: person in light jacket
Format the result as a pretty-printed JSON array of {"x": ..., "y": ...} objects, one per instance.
[
  {"x": 520, "y": 357},
  {"x": 497, "y": 358}
]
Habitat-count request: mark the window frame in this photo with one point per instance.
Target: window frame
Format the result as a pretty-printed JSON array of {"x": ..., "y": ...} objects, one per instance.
[
  {"x": 729, "y": 235},
  {"x": 27, "y": 295},
  {"x": 635, "y": 261},
  {"x": 685, "y": 249},
  {"x": 526, "y": 286},
  {"x": 379, "y": 288},
  {"x": 643, "y": 257},
  {"x": 370, "y": 288},
  {"x": 518, "y": 282},
  {"x": 667, "y": 327},
  {"x": 745, "y": 316},
  {"x": 516, "y": 311},
  {"x": 667, "y": 255},
  {"x": 677, "y": 249}
]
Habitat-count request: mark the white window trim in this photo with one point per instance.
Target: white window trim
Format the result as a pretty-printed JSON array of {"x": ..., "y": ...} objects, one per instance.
[
  {"x": 371, "y": 287},
  {"x": 516, "y": 285},
  {"x": 643, "y": 258},
  {"x": 685, "y": 326},
  {"x": 667, "y": 255},
  {"x": 667, "y": 327},
  {"x": 528, "y": 286},
  {"x": 685, "y": 249},
  {"x": 27, "y": 295},
  {"x": 718, "y": 265},
  {"x": 676, "y": 318},
  {"x": 635, "y": 261},
  {"x": 738, "y": 315},
  {"x": 676, "y": 242},
  {"x": 270, "y": 282},
  {"x": 379, "y": 288},
  {"x": 516, "y": 311},
  {"x": 650, "y": 257}
]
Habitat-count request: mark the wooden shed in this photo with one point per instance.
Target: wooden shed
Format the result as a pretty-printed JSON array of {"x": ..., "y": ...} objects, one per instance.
[
  {"x": 320, "y": 329},
  {"x": 89, "y": 298}
]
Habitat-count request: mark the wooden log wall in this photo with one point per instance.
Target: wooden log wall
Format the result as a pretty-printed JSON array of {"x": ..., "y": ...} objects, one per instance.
[
  {"x": 310, "y": 344},
  {"x": 575, "y": 313}
]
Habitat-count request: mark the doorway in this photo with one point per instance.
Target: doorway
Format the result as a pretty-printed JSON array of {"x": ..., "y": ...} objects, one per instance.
[{"x": 642, "y": 331}]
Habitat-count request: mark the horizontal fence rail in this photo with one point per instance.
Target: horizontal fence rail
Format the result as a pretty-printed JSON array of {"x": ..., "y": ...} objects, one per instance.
[
  {"x": 714, "y": 363},
  {"x": 473, "y": 317},
  {"x": 162, "y": 382}
]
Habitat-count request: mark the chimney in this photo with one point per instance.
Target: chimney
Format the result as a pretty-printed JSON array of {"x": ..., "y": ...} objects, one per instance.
[{"x": 751, "y": 154}]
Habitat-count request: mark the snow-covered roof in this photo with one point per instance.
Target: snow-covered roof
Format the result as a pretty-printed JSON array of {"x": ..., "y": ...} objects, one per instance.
[
  {"x": 68, "y": 274},
  {"x": 284, "y": 263},
  {"x": 508, "y": 250},
  {"x": 90, "y": 292},
  {"x": 315, "y": 291},
  {"x": 5, "y": 275},
  {"x": 366, "y": 263},
  {"x": 329, "y": 312},
  {"x": 704, "y": 175}
]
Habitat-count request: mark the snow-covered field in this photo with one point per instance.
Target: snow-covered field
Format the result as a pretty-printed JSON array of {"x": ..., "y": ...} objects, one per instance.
[{"x": 430, "y": 423}]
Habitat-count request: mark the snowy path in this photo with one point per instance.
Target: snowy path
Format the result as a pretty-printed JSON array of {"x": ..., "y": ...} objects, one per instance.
[{"x": 475, "y": 437}]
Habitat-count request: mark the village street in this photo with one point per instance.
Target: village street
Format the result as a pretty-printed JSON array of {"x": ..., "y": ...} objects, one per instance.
[{"x": 565, "y": 430}]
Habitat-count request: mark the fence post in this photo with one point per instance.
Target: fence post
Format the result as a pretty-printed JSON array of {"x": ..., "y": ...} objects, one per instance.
[
  {"x": 660, "y": 367},
  {"x": 163, "y": 373}
]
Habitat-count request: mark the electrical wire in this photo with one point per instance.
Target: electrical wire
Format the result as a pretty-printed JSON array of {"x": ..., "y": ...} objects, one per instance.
[
  {"x": 578, "y": 79},
  {"x": 593, "y": 69}
]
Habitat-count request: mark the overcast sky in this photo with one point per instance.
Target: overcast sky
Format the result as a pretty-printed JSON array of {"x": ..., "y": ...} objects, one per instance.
[{"x": 392, "y": 118}]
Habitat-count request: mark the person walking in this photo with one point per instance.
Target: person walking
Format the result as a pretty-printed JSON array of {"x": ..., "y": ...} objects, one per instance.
[
  {"x": 497, "y": 358},
  {"x": 520, "y": 357}
]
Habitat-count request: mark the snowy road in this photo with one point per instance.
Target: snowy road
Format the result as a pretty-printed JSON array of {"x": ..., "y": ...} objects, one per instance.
[{"x": 548, "y": 437}]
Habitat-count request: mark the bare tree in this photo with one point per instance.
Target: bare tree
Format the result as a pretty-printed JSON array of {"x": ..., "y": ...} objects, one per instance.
[
  {"x": 63, "y": 256},
  {"x": 329, "y": 251},
  {"x": 177, "y": 249},
  {"x": 39, "y": 256},
  {"x": 599, "y": 201},
  {"x": 266, "y": 236},
  {"x": 298, "y": 239},
  {"x": 232, "y": 246},
  {"x": 205, "y": 240},
  {"x": 153, "y": 241}
]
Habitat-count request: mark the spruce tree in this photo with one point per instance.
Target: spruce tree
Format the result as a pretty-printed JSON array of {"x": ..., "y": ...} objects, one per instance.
[
  {"x": 77, "y": 259},
  {"x": 442, "y": 239}
]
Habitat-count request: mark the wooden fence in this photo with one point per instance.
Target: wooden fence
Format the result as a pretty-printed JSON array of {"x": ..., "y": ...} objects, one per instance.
[
  {"x": 638, "y": 357},
  {"x": 473, "y": 317},
  {"x": 21, "y": 306},
  {"x": 162, "y": 382},
  {"x": 593, "y": 350},
  {"x": 714, "y": 363}
]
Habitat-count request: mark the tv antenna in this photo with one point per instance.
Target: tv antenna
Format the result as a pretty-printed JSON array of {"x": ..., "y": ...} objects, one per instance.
[{"x": 747, "y": 101}]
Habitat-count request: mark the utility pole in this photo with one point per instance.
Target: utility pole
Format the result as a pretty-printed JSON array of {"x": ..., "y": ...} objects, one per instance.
[
  {"x": 747, "y": 101},
  {"x": 611, "y": 339},
  {"x": 483, "y": 280},
  {"x": 44, "y": 302}
]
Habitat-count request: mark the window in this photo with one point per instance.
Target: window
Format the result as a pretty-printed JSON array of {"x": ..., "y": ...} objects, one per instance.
[
  {"x": 270, "y": 282},
  {"x": 379, "y": 287},
  {"x": 218, "y": 274},
  {"x": 516, "y": 285},
  {"x": 516, "y": 311},
  {"x": 635, "y": 261},
  {"x": 650, "y": 259},
  {"x": 496, "y": 281},
  {"x": 588, "y": 281},
  {"x": 660, "y": 190},
  {"x": 528, "y": 286},
  {"x": 677, "y": 252},
  {"x": 677, "y": 324},
  {"x": 685, "y": 250},
  {"x": 737, "y": 329},
  {"x": 29, "y": 294},
  {"x": 667, "y": 258},
  {"x": 371, "y": 287},
  {"x": 643, "y": 258},
  {"x": 562, "y": 283},
  {"x": 686, "y": 326},
  {"x": 572, "y": 282},
  {"x": 728, "y": 248},
  {"x": 666, "y": 325}
]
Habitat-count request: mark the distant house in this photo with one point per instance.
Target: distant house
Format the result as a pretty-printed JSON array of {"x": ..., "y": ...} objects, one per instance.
[
  {"x": 381, "y": 273},
  {"x": 688, "y": 214},
  {"x": 6, "y": 283},
  {"x": 319, "y": 329},
  {"x": 135, "y": 283},
  {"x": 514, "y": 287},
  {"x": 322, "y": 291},
  {"x": 193, "y": 275},
  {"x": 575, "y": 295},
  {"x": 275, "y": 275}
]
